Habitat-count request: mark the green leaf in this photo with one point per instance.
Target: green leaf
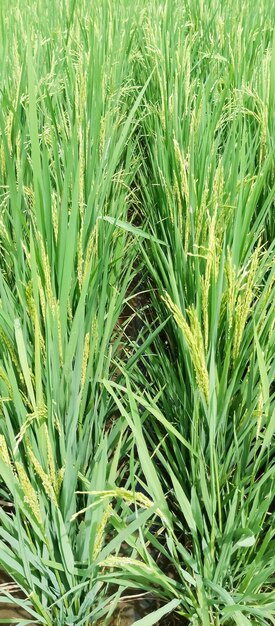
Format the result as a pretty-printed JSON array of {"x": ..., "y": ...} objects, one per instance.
[
  {"x": 64, "y": 544},
  {"x": 24, "y": 360},
  {"x": 129, "y": 228},
  {"x": 246, "y": 542},
  {"x": 155, "y": 616}
]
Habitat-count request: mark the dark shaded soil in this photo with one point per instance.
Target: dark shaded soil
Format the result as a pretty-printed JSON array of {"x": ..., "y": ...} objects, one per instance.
[{"x": 125, "y": 617}]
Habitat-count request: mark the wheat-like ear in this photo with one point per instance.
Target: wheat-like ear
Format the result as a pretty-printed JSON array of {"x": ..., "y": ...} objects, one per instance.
[
  {"x": 86, "y": 354},
  {"x": 232, "y": 289},
  {"x": 59, "y": 480},
  {"x": 5, "y": 379},
  {"x": 37, "y": 415},
  {"x": 47, "y": 274},
  {"x": 48, "y": 487},
  {"x": 30, "y": 495},
  {"x": 183, "y": 168},
  {"x": 123, "y": 561},
  {"x": 55, "y": 216},
  {"x": 4, "y": 453},
  {"x": 206, "y": 280},
  {"x": 6, "y": 341},
  {"x": 244, "y": 301},
  {"x": 92, "y": 249},
  {"x": 193, "y": 336},
  {"x": 100, "y": 531},
  {"x": 50, "y": 459}
]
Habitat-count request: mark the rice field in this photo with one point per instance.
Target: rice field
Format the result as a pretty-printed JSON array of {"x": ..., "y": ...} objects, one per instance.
[{"x": 137, "y": 286}]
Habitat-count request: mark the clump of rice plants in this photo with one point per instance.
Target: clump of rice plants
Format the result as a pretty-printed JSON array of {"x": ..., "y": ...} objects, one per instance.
[
  {"x": 205, "y": 434},
  {"x": 67, "y": 161},
  {"x": 137, "y": 152}
]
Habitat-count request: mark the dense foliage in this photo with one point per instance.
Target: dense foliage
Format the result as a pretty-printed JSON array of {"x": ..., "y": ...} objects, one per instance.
[{"x": 137, "y": 186}]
